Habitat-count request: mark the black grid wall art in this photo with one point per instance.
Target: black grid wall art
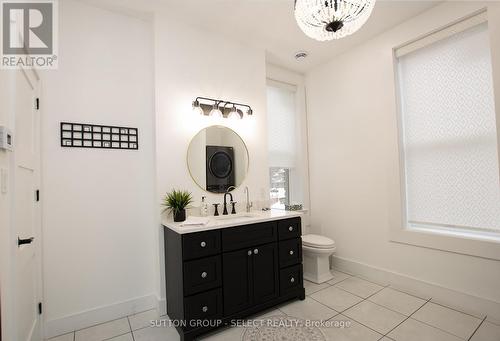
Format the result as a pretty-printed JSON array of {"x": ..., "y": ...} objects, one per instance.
[{"x": 82, "y": 135}]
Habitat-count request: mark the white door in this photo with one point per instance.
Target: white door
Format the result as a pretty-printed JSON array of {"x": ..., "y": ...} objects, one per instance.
[{"x": 26, "y": 210}]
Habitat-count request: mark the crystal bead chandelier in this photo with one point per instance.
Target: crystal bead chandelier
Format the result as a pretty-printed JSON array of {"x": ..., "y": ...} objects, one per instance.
[{"x": 332, "y": 19}]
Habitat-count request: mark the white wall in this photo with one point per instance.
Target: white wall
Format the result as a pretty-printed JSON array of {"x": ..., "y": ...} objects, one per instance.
[
  {"x": 99, "y": 207},
  {"x": 354, "y": 167},
  {"x": 7, "y": 239},
  {"x": 190, "y": 63}
]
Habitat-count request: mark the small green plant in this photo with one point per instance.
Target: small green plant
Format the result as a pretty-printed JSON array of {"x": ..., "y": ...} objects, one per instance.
[{"x": 177, "y": 201}]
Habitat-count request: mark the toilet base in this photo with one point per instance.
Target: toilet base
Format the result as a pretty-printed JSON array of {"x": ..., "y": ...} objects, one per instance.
[{"x": 317, "y": 268}]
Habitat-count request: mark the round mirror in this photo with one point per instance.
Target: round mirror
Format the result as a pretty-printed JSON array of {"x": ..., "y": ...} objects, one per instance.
[{"x": 217, "y": 159}]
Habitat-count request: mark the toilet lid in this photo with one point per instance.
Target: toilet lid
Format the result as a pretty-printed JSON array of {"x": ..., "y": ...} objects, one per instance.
[{"x": 317, "y": 241}]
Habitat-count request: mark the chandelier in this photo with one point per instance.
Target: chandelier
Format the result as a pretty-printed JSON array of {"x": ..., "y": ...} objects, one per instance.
[{"x": 332, "y": 19}]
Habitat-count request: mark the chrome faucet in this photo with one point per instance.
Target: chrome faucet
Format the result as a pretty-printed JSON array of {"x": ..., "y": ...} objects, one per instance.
[
  {"x": 233, "y": 211},
  {"x": 249, "y": 204}
]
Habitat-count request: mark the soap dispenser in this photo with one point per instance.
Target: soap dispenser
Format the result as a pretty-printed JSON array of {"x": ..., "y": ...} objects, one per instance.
[{"x": 204, "y": 207}]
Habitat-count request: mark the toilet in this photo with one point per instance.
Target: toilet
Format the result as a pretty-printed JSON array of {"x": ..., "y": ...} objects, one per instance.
[{"x": 316, "y": 252}]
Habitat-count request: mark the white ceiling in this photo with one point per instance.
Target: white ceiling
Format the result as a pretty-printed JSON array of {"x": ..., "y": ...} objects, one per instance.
[{"x": 270, "y": 24}]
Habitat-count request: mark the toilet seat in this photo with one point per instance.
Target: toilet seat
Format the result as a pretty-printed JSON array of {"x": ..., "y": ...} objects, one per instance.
[{"x": 317, "y": 241}]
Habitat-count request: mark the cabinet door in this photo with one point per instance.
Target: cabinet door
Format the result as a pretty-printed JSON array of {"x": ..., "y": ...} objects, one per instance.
[
  {"x": 265, "y": 273},
  {"x": 237, "y": 280}
]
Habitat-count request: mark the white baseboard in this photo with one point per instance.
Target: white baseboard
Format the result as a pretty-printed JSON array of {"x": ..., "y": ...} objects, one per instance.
[
  {"x": 98, "y": 315},
  {"x": 162, "y": 306},
  {"x": 471, "y": 304}
]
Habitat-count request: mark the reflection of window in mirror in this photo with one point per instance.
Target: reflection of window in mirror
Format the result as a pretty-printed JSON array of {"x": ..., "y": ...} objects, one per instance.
[{"x": 287, "y": 163}]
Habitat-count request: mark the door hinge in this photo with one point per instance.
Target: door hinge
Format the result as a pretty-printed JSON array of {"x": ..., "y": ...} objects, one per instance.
[
  {"x": 37, "y": 103},
  {"x": 37, "y": 195},
  {"x": 39, "y": 308}
]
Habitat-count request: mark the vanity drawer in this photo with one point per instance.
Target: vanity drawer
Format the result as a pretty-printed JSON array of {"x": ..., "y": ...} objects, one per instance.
[
  {"x": 200, "y": 244},
  {"x": 290, "y": 279},
  {"x": 289, "y": 228},
  {"x": 290, "y": 252},
  {"x": 205, "y": 306},
  {"x": 236, "y": 238},
  {"x": 202, "y": 274}
]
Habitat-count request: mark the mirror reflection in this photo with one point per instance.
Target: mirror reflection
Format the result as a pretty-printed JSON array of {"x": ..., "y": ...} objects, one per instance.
[{"x": 217, "y": 159}]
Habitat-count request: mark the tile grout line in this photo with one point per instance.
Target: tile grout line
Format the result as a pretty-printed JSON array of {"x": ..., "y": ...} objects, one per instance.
[
  {"x": 99, "y": 324},
  {"x": 383, "y": 287},
  {"x": 363, "y": 299},
  {"x": 364, "y": 279},
  {"x": 475, "y": 330},
  {"x": 131, "y": 331},
  {"x": 435, "y": 327},
  {"x": 404, "y": 292},
  {"x": 407, "y": 318},
  {"x": 428, "y": 299},
  {"x": 458, "y": 311},
  {"x": 407, "y": 293},
  {"x": 112, "y": 337},
  {"x": 312, "y": 298},
  {"x": 439, "y": 328},
  {"x": 119, "y": 318},
  {"x": 345, "y": 279}
]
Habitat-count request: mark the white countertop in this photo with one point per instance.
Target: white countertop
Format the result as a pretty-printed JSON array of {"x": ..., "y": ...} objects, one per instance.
[{"x": 232, "y": 220}]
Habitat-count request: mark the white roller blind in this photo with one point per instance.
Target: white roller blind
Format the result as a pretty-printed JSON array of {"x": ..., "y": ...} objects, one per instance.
[
  {"x": 444, "y": 33},
  {"x": 282, "y": 125},
  {"x": 449, "y": 132}
]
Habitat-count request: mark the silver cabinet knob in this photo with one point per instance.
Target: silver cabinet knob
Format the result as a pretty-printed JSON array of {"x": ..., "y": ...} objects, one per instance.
[
  {"x": 291, "y": 252},
  {"x": 292, "y": 280},
  {"x": 203, "y": 274},
  {"x": 256, "y": 251},
  {"x": 249, "y": 252},
  {"x": 204, "y": 309},
  {"x": 290, "y": 228},
  {"x": 203, "y": 244}
]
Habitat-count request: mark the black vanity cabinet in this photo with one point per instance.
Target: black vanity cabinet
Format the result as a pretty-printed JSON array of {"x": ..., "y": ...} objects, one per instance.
[{"x": 230, "y": 273}]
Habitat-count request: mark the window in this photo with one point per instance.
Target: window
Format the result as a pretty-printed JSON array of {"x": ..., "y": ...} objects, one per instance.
[
  {"x": 448, "y": 131},
  {"x": 279, "y": 186},
  {"x": 284, "y": 140}
]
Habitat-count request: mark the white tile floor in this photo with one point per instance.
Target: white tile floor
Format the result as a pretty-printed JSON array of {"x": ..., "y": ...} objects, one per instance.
[{"x": 376, "y": 312}]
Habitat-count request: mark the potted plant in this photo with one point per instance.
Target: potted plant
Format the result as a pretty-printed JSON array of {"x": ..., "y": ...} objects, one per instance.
[{"x": 176, "y": 202}]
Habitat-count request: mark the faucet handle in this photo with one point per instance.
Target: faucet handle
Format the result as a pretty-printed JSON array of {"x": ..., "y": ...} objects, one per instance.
[{"x": 233, "y": 211}]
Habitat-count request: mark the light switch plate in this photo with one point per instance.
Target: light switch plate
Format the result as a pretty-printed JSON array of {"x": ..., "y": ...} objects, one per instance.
[{"x": 4, "y": 179}]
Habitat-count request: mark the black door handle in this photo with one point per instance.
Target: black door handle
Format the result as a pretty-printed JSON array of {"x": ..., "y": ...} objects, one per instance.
[{"x": 24, "y": 241}]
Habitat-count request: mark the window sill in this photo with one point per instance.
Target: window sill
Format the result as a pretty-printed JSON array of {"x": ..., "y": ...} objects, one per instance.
[
  {"x": 304, "y": 210},
  {"x": 478, "y": 245}
]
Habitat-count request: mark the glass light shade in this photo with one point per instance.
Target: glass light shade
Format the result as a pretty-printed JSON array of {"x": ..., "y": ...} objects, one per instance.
[
  {"x": 234, "y": 114},
  {"x": 198, "y": 111},
  {"x": 216, "y": 112},
  {"x": 332, "y": 19}
]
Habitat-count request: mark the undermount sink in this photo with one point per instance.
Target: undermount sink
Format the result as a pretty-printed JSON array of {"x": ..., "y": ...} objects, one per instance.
[{"x": 237, "y": 216}]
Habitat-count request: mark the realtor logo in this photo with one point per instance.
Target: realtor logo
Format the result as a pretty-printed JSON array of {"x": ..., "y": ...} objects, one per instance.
[{"x": 29, "y": 34}]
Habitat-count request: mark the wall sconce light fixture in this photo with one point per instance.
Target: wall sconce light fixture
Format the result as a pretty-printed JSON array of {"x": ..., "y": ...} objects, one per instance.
[{"x": 220, "y": 108}]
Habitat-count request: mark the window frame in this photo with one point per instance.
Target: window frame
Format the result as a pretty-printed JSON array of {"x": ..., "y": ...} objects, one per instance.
[
  {"x": 469, "y": 242},
  {"x": 291, "y": 80}
]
